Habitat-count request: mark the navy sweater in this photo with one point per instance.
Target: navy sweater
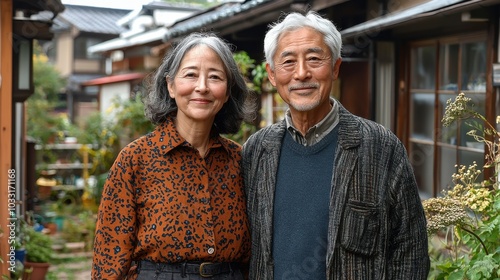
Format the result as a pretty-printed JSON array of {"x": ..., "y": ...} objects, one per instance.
[{"x": 301, "y": 208}]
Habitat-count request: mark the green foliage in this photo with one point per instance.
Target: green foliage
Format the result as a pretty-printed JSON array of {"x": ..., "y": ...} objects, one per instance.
[
  {"x": 129, "y": 115},
  {"x": 244, "y": 62},
  {"x": 38, "y": 246},
  {"x": 245, "y": 131},
  {"x": 47, "y": 81},
  {"x": 72, "y": 231},
  {"x": 259, "y": 74},
  {"x": 102, "y": 133},
  {"x": 466, "y": 221},
  {"x": 42, "y": 123}
]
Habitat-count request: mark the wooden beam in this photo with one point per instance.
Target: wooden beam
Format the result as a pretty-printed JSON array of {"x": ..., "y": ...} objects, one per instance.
[{"x": 5, "y": 124}]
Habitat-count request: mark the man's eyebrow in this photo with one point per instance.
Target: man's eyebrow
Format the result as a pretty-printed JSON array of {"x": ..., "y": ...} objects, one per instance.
[
  {"x": 315, "y": 50},
  {"x": 309, "y": 50},
  {"x": 286, "y": 53}
]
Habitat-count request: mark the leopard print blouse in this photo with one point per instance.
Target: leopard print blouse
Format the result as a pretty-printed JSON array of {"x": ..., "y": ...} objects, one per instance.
[{"x": 163, "y": 202}]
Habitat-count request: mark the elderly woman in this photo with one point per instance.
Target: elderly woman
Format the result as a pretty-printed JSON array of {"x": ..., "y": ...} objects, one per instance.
[{"x": 173, "y": 205}]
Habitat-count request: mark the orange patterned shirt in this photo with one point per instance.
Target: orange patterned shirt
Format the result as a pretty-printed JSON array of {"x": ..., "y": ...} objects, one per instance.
[{"x": 163, "y": 202}]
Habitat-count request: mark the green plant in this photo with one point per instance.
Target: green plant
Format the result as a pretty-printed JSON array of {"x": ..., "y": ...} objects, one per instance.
[
  {"x": 129, "y": 115},
  {"x": 42, "y": 124},
  {"x": 72, "y": 231},
  {"x": 259, "y": 74},
  {"x": 465, "y": 220},
  {"x": 38, "y": 246},
  {"x": 103, "y": 135},
  {"x": 68, "y": 204}
]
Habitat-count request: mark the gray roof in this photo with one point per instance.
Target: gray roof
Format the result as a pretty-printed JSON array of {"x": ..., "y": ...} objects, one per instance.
[
  {"x": 91, "y": 19},
  {"x": 149, "y": 9},
  {"x": 198, "y": 21}
]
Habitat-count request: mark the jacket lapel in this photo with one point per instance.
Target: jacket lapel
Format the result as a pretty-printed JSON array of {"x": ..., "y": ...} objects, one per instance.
[
  {"x": 270, "y": 158},
  {"x": 346, "y": 161}
]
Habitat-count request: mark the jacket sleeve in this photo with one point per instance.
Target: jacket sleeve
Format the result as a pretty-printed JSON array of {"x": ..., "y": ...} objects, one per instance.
[
  {"x": 115, "y": 237},
  {"x": 408, "y": 248}
]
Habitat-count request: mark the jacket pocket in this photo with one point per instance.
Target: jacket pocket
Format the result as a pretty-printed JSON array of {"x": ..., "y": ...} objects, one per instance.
[{"x": 360, "y": 228}]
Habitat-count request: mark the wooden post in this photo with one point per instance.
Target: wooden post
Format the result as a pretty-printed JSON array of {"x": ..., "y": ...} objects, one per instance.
[{"x": 5, "y": 125}]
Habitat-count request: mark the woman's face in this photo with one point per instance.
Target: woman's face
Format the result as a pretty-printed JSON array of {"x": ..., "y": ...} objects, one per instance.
[{"x": 200, "y": 86}]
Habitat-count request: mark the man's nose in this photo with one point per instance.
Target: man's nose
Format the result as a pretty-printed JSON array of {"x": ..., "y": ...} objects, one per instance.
[{"x": 302, "y": 70}]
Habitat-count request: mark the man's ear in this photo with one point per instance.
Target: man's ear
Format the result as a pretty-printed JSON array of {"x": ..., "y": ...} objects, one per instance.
[
  {"x": 270, "y": 74},
  {"x": 336, "y": 68}
]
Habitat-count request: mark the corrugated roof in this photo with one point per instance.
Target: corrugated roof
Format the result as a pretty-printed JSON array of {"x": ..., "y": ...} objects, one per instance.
[
  {"x": 150, "y": 8},
  {"x": 398, "y": 17},
  {"x": 91, "y": 19},
  {"x": 220, "y": 13}
]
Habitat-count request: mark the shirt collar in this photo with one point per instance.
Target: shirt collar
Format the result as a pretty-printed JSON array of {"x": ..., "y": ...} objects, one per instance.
[
  {"x": 166, "y": 137},
  {"x": 317, "y": 132}
]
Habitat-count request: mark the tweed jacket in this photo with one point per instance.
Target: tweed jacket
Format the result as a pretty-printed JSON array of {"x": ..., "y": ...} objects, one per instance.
[{"x": 377, "y": 226}]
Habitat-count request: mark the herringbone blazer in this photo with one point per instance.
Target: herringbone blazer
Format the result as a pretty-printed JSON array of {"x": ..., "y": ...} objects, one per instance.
[{"x": 377, "y": 227}]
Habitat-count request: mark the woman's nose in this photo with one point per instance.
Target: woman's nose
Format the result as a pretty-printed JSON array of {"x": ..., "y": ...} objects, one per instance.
[{"x": 202, "y": 85}]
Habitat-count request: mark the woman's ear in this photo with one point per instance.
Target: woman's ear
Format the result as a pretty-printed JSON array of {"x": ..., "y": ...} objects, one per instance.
[{"x": 170, "y": 88}]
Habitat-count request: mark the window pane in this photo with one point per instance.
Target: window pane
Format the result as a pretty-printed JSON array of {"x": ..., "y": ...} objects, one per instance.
[
  {"x": 474, "y": 67},
  {"x": 448, "y": 158},
  {"x": 423, "y": 74},
  {"x": 422, "y": 116},
  {"x": 449, "y": 65},
  {"x": 447, "y": 134},
  {"x": 422, "y": 162},
  {"x": 479, "y": 101}
]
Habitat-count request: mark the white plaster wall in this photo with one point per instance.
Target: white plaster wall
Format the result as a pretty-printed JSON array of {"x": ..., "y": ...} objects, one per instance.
[{"x": 109, "y": 93}]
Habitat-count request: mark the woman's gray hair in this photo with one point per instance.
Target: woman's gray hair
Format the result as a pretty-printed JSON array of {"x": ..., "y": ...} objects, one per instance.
[
  {"x": 294, "y": 21},
  {"x": 159, "y": 104}
]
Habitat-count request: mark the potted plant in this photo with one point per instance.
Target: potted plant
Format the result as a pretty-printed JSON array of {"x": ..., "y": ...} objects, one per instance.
[
  {"x": 38, "y": 254},
  {"x": 464, "y": 222}
]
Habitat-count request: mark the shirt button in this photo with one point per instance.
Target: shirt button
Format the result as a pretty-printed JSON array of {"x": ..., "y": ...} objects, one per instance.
[{"x": 211, "y": 250}]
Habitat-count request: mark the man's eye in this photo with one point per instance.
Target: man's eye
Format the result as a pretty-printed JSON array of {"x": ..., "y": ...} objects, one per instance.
[{"x": 315, "y": 61}]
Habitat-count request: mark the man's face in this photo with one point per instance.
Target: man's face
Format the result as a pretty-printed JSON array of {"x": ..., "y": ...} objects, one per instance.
[{"x": 303, "y": 72}]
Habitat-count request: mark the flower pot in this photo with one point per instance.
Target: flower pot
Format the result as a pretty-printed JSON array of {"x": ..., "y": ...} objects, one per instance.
[
  {"x": 20, "y": 254},
  {"x": 59, "y": 221},
  {"x": 52, "y": 227},
  {"x": 35, "y": 271}
]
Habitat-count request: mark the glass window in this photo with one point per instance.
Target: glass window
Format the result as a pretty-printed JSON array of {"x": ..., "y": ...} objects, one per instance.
[
  {"x": 446, "y": 134},
  {"x": 422, "y": 116},
  {"x": 460, "y": 67},
  {"x": 423, "y": 166},
  {"x": 447, "y": 156},
  {"x": 474, "y": 67},
  {"x": 424, "y": 67},
  {"x": 449, "y": 62},
  {"x": 81, "y": 46}
]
